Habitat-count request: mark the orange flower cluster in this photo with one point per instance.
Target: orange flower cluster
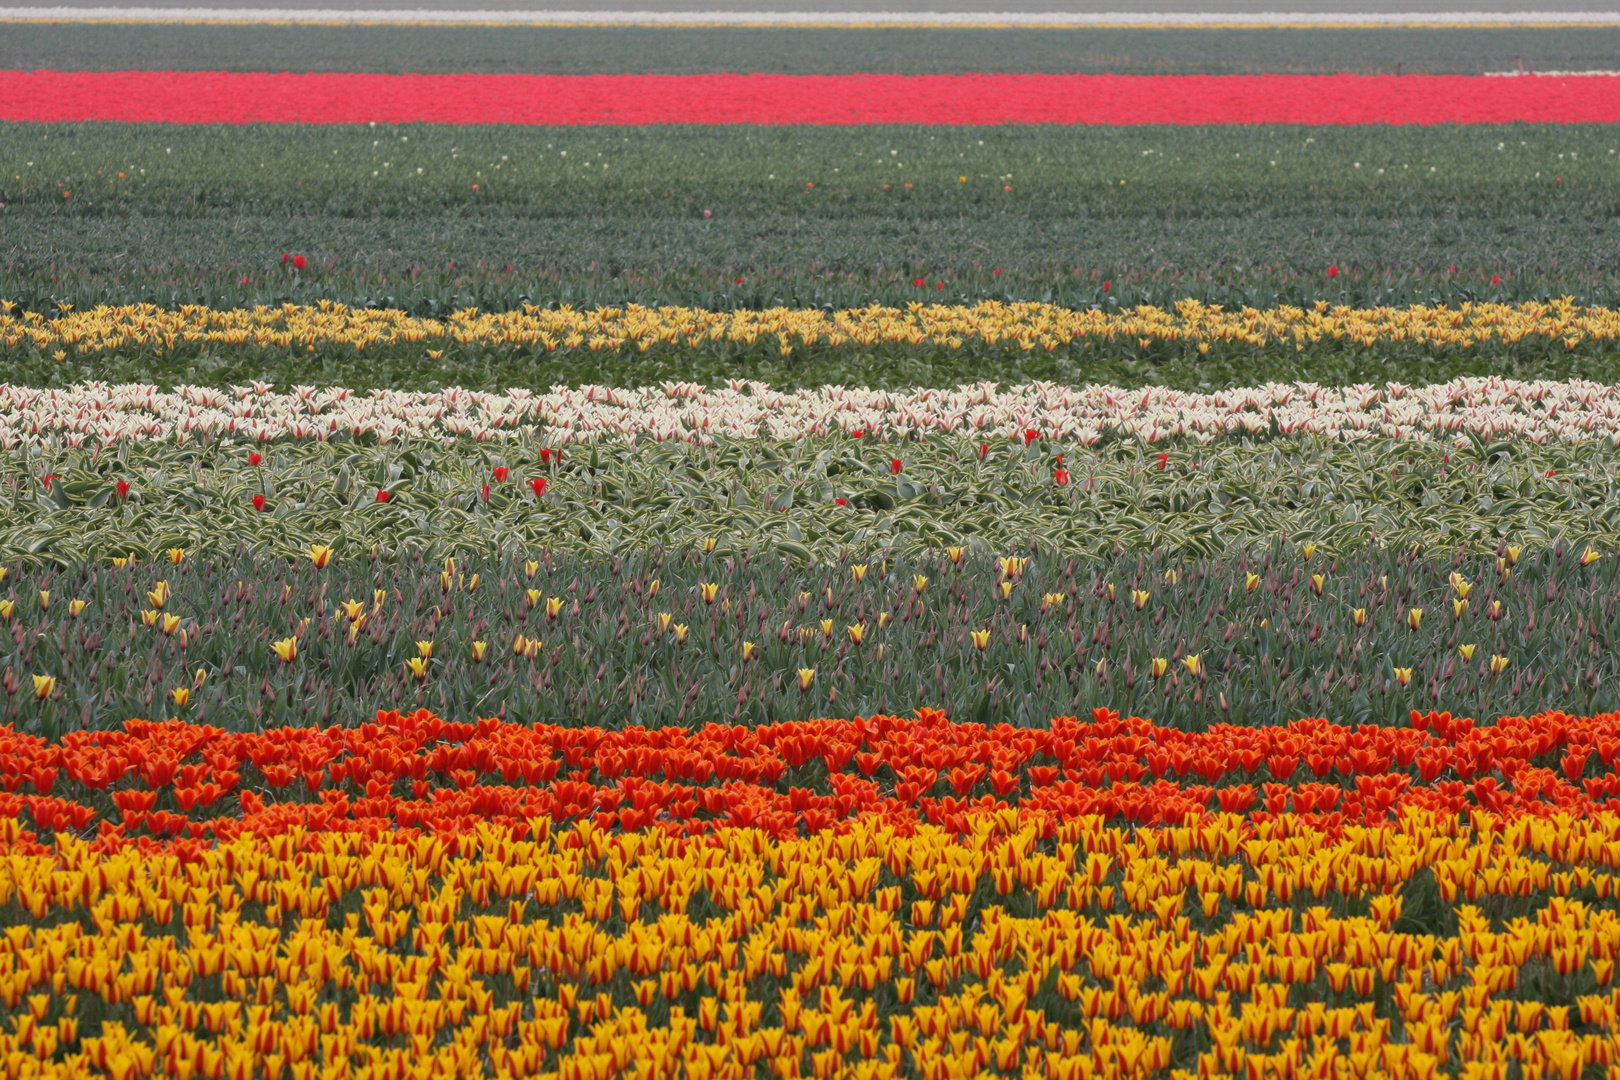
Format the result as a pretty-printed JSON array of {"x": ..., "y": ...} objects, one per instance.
[{"x": 176, "y": 780}]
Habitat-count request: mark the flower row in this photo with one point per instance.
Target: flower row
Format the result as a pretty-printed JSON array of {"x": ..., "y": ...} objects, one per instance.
[
  {"x": 1441, "y": 945},
  {"x": 172, "y": 779}
]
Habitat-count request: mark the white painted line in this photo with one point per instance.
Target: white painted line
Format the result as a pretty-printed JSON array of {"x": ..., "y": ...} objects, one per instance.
[{"x": 809, "y": 18}]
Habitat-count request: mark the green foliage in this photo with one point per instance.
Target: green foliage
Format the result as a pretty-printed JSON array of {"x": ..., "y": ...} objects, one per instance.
[
  {"x": 1067, "y": 633},
  {"x": 1230, "y": 215},
  {"x": 760, "y": 497}
]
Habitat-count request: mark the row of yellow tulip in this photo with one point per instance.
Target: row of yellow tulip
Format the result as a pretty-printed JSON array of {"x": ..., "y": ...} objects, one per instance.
[
  {"x": 1025, "y": 325},
  {"x": 1474, "y": 947}
]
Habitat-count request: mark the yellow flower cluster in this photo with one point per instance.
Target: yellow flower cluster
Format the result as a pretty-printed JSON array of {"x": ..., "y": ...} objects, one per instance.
[
  {"x": 1029, "y": 326},
  {"x": 1218, "y": 949}
]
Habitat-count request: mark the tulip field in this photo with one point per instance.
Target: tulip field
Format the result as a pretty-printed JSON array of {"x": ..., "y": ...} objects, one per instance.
[{"x": 579, "y": 552}]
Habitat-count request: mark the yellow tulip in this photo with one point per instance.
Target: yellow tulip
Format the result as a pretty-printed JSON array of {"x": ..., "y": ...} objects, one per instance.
[
  {"x": 418, "y": 667},
  {"x": 955, "y": 553},
  {"x": 44, "y": 598},
  {"x": 1102, "y": 668},
  {"x": 354, "y": 609},
  {"x": 709, "y": 591},
  {"x": 7, "y": 608},
  {"x": 1458, "y": 608},
  {"x": 826, "y": 627},
  {"x": 1466, "y": 652},
  {"x": 883, "y": 619},
  {"x": 1317, "y": 581},
  {"x": 1052, "y": 600},
  {"x": 859, "y": 570},
  {"x": 1414, "y": 617},
  {"x": 749, "y": 651},
  {"x": 553, "y": 606},
  {"x": 177, "y": 555},
  {"x": 1460, "y": 585},
  {"x": 478, "y": 648},
  {"x": 919, "y": 583},
  {"x": 680, "y": 633},
  {"x": 1193, "y": 664},
  {"x": 1403, "y": 675},
  {"x": 198, "y": 679},
  {"x": 75, "y": 607},
  {"x": 1159, "y": 666},
  {"x": 652, "y": 588},
  {"x": 1310, "y": 549},
  {"x": 1006, "y": 590},
  {"x": 149, "y": 617},
  {"x": 709, "y": 545},
  {"x": 1359, "y": 616},
  {"x": 664, "y": 618},
  {"x": 1496, "y": 609},
  {"x": 1512, "y": 555},
  {"x": 1171, "y": 577},
  {"x": 530, "y": 568},
  {"x": 286, "y": 648},
  {"x": 320, "y": 555},
  {"x": 981, "y": 639},
  {"x": 806, "y": 677},
  {"x": 44, "y": 686},
  {"x": 1498, "y": 664},
  {"x": 1588, "y": 557},
  {"x": 1139, "y": 597},
  {"x": 534, "y": 597},
  {"x": 377, "y": 598},
  {"x": 1251, "y": 581},
  {"x": 159, "y": 595},
  {"x": 856, "y": 631},
  {"x": 424, "y": 649},
  {"x": 171, "y": 623},
  {"x": 181, "y": 695}
]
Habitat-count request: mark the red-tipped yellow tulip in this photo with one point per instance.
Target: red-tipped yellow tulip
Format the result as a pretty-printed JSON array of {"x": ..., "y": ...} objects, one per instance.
[
  {"x": 807, "y": 676},
  {"x": 286, "y": 648},
  {"x": 44, "y": 686}
]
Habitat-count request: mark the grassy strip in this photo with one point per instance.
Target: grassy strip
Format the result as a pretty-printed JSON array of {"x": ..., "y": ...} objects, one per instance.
[
  {"x": 806, "y": 51},
  {"x": 679, "y": 215},
  {"x": 263, "y": 641}
]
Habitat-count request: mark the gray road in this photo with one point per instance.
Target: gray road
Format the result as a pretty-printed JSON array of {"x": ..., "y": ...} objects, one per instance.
[{"x": 1035, "y": 12}]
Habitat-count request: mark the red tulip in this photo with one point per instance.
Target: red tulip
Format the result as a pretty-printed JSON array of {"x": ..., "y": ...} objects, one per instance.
[
  {"x": 919, "y": 283},
  {"x": 984, "y": 451},
  {"x": 382, "y": 496},
  {"x": 1164, "y": 461},
  {"x": 483, "y": 493},
  {"x": 285, "y": 258},
  {"x": 940, "y": 285},
  {"x": 1030, "y": 436},
  {"x": 841, "y": 501},
  {"x": 501, "y": 472},
  {"x": 857, "y": 434},
  {"x": 254, "y": 459},
  {"x": 895, "y": 466},
  {"x": 258, "y": 503},
  {"x": 1333, "y": 271},
  {"x": 545, "y": 455},
  {"x": 123, "y": 489},
  {"x": 1061, "y": 476},
  {"x": 1496, "y": 279},
  {"x": 48, "y": 478},
  {"x": 539, "y": 486},
  {"x": 298, "y": 262},
  {"x": 1108, "y": 286},
  {"x": 996, "y": 272}
]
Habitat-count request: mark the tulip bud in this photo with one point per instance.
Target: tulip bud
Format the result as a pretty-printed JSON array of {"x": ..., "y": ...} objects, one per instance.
[
  {"x": 749, "y": 650},
  {"x": 478, "y": 648},
  {"x": 1359, "y": 616},
  {"x": 1250, "y": 581}
]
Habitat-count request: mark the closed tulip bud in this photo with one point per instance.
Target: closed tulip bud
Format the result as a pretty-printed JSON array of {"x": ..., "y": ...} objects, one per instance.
[
  {"x": 981, "y": 639},
  {"x": 44, "y": 686},
  {"x": 856, "y": 631},
  {"x": 1006, "y": 590},
  {"x": 1466, "y": 652},
  {"x": 919, "y": 583},
  {"x": 418, "y": 667},
  {"x": 1317, "y": 581},
  {"x": 652, "y": 588},
  {"x": 1496, "y": 609},
  {"x": 181, "y": 695},
  {"x": 1458, "y": 608},
  {"x": 749, "y": 651},
  {"x": 1171, "y": 577},
  {"x": 286, "y": 648},
  {"x": 320, "y": 555},
  {"x": 1251, "y": 581},
  {"x": 1023, "y": 633},
  {"x": 955, "y": 554},
  {"x": 530, "y": 568},
  {"x": 75, "y": 607},
  {"x": 1159, "y": 666},
  {"x": 806, "y": 677},
  {"x": 1498, "y": 664},
  {"x": 198, "y": 679},
  {"x": 680, "y": 633},
  {"x": 1403, "y": 675},
  {"x": 709, "y": 590},
  {"x": 883, "y": 619},
  {"x": 1359, "y": 616},
  {"x": 1588, "y": 557},
  {"x": 424, "y": 649},
  {"x": 1139, "y": 597},
  {"x": 472, "y": 583},
  {"x": 1414, "y": 617},
  {"x": 1110, "y": 592},
  {"x": 478, "y": 648},
  {"x": 859, "y": 570},
  {"x": 1102, "y": 668}
]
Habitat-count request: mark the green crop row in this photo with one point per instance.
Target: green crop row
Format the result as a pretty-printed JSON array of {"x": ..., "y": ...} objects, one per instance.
[
  {"x": 761, "y": 497},
  {"x": 591, "y": 50},
  {"x": 725, "y": 218},
  {"x": 677, "y": 635}
]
